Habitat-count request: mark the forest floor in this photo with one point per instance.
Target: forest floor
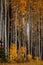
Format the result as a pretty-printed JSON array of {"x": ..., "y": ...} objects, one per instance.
[{"x": 24, "y": 63}]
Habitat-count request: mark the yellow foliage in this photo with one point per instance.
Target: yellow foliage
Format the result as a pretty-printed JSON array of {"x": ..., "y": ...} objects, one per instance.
[
  {"x": 22, "y": 10},
  {"x": 22, "y": 6},
  {"x": 22, "y": 55},
  {"x": 37, "y": 58},
  {"x": 10, "y": 58},
  {"x": 13, "y": 45},
  {"x": 29, "y": 57},
  {"x": 40, "y": 4},
  {"x": 23, "y": 2},
  {"x": 15, "y": 2},
  {"x": 23, "y": 49},
  {"x": 35, "y": 2},
  {"x": 13, "y": 52}
]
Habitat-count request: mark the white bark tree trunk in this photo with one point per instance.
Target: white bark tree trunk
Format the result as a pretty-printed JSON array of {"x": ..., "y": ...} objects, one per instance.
[{"x": 5, "y": 28}]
